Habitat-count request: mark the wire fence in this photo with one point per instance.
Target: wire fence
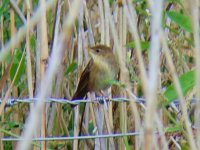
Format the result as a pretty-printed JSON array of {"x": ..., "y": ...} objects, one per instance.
[{"x": 13, "y": 101}]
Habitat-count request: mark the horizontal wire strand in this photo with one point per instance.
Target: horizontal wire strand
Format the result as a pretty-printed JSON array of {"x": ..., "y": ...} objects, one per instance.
[
  {"x": 75, "y": 138},
  {"x": 13, "y": 101}
]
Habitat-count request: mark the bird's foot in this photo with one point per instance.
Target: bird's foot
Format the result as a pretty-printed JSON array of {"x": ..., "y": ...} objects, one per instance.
[{"x": 102, "y": 100}]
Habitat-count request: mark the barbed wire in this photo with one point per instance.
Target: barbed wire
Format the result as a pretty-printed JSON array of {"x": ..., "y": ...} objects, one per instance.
[{"x": 13, "y": 101}]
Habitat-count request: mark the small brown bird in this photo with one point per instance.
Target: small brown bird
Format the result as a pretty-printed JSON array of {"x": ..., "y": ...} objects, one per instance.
[{"x": 102, "y": 68}]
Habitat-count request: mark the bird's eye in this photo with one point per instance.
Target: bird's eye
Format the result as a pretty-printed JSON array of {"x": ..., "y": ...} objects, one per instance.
[{"x": 97, "y": 50}]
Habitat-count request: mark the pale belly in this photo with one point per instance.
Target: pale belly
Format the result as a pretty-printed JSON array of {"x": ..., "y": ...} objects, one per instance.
[{"x": 102, "y": 78}]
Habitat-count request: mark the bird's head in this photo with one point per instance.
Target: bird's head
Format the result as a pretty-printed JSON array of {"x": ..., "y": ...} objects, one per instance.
[{"x": 100, "y": 52}]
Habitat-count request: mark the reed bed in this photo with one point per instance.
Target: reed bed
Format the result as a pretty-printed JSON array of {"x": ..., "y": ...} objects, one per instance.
[{"x": 154, "y": 104}]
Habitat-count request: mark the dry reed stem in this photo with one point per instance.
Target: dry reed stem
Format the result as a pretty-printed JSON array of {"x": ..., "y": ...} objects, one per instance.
[
  {"x": 89, "y": 25},
  {"x": 28, "y": 53},
  {"x": 195, "y": 22},
  {"x": 154, "y": 67},
  {"x": 88, "y": 107},
  {"x": 43, "y": 60},
  {"x": 12, "y": 25},
  {"x": 38, "y": 72},
  {"x": 109, "y": 122},
  {"x": 105, "y": 39},
  {"x": 60, "y": 75},
  {"x": 124, "y": 77},
  {"x": 109, "y": 126},
  {"x": 100, "y": 143},
  {"x": 175, "y": 142},
  {"x": 131, "y": 17},
  {"x": 15, "y": 116},
  {"x": 86, "y": 123},
  {"x": 106, "y": 22},
  {"x": 18, "y": 11},
  {"x": 1, "y": 46},
  {"x": 102, "y": 21},
  {"x": 76, "y": 127},
  {"x": 80, "y": 62},
  {"x": 160, "y": 126},
  {"x": 137, "y": 119}
]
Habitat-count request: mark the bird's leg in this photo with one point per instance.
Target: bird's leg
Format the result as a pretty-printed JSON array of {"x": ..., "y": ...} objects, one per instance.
[{"x": 102, "y": 96}]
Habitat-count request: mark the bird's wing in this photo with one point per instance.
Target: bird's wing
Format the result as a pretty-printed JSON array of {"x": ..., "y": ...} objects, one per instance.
[{"x": 82, "y": 88}]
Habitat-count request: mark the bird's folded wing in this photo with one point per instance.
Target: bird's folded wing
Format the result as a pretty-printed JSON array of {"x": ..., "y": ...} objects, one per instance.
[{"x": 83, "y": 88}]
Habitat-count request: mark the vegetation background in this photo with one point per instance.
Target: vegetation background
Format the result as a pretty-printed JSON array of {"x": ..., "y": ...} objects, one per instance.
[{"x": 44, "y": 50}]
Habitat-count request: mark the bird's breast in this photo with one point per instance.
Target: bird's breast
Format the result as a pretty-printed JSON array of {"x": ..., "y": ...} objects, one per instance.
[{"x": 101, "y": 75}]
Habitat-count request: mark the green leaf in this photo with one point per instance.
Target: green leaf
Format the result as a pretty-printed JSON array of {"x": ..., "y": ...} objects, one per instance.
[
  {"x": 137, "y": 1},
  {"x": 11, "y": 124},
  {"x": 71, "y": 68},
  {"x": 175, "y": 1},
  {"x": 144, "y": 45},
  {"x": 16, "y": 62},
  {"x": 18, "y": 21},
  {"x": 4, "y": 7},
  {"x": 115, "y": 82},
  {"x": 175, "y": 128},
  {"x": 33, "y": 42},
  {"x": 187, "y": 81},
  {"x": 181, "y": 20},
  {"x": 126, "y": 143},
  {"x": 91, "y": 128}
]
